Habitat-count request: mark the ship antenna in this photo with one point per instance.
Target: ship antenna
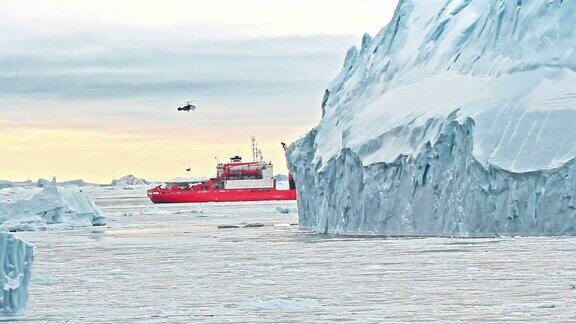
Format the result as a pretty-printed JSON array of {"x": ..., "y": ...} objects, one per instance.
[{"x": 254, "y": 149}]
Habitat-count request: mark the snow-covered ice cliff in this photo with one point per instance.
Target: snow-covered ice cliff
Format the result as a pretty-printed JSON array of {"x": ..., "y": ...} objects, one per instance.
[
  {"x": 16, "y": 257},
  {"x": 458, "y": 118}
]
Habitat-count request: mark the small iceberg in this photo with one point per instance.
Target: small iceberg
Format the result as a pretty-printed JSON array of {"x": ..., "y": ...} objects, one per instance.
[
  {"x": 16, "y": 257},
  {"x": 50, "y": 208}
]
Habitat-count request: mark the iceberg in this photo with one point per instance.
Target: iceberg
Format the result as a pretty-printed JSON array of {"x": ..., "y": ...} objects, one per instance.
[
  {"x": 16, "y": 257},
  {"x": 50, "y": 208},
  {"x": 41, "y": 183},
  {"x": 457, "y": 119},
  {"x": 23, "y": 184},
  {"x": 129, "y": 180}
]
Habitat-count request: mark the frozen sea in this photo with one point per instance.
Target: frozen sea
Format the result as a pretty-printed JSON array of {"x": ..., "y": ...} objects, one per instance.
[{"x": 152, "y": 266}]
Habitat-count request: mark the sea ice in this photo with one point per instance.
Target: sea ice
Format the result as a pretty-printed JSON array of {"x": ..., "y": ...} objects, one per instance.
[
  {"x": 281, "y": 304},
  {"x": 154, "y": 210},
  {"x": 283, "y": 210},
  {"x": 190, "y": 211},
  {"x": 46, "y": 280}
]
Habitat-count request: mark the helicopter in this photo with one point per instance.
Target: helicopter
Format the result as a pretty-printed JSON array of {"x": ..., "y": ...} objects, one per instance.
[{"x": 188, "y": 107}]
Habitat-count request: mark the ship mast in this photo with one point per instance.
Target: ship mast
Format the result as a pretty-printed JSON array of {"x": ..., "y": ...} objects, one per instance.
[
  {"x": 256, "y": 152},
  {"x": 254, "y": 149}
]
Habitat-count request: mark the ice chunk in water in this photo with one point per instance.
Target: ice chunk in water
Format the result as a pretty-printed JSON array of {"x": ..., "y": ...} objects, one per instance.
[
  {"x": 16, "y": 257},
  {"x": 50, "y": 207}
]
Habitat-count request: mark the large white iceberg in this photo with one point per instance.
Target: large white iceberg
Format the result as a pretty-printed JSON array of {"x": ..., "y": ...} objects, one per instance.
[
  {"x": 50, "y": 208},
  {"x": 458, "y": 118},
  {"x": 16, "y": 257}
]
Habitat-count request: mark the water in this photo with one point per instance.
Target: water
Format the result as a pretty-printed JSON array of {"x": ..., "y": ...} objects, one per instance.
[{"x": 181, "y": 267}]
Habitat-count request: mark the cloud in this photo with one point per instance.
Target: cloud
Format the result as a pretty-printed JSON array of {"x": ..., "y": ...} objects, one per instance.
[
  {"x": 90, "y": 87},
  {"x": 216, "y": 18},
  {"x": 212, "y": 68},
  {"x": 125, "y": 84}
]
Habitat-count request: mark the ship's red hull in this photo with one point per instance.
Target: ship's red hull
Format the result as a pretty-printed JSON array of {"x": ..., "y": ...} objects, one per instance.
[{"x": 167, "y": 196}]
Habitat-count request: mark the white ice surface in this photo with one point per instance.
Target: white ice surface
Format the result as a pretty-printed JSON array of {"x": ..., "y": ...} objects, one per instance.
[
  {"x": 283, "y": 210},
  {"x": 281, "y": 304},
  {"x": 154, "y": 210},
  {"x": 199, "y": 273}
]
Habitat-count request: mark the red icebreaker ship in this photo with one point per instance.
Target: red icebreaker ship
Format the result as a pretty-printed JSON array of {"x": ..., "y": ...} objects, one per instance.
[{"x": 235, "y": 181}]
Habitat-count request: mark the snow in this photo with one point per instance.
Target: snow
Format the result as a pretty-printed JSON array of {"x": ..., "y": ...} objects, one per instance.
[
  {"x": 454, "y": 120},
  {"x": 16, "y": 257},
  {"x": 52, "y": 207},
  {"x": 435, "y": 48}
]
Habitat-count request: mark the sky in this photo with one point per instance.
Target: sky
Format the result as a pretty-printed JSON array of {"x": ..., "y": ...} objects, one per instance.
[{"x": 89, "y": 89}]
